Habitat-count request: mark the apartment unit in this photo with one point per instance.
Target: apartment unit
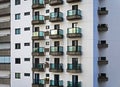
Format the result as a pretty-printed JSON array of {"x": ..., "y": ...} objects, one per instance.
[
  {"x": 64, "y": 43},
  {"x": 4, "y": 43}
]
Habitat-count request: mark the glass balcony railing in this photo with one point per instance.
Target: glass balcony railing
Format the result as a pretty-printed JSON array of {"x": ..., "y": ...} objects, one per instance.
[
  {"x": 39, "y": 18},
  {"x": 41, "y": 2},
  {"x": 56, "y": 15},
  {"x": 55, "y": 83},
  {"x": 56, "y": 49},
  {"x": 73, "y": 84},
  {"x": 73, "y": 48},
  {"x": 39, "y": 81},
  {"x": 75, "y": 30},
  {"x": 39, "y": 34},
  {"x": 38, "y": 66},
  {"x": 39, "y": 50},
  {"x": 74, "y": 66},
  {"x": 56, "y": 66},
  {"x": 74, "y": 12},
  {"x": 56, "y": 32}
]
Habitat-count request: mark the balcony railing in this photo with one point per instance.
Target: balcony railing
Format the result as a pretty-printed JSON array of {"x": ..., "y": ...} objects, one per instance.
[
  {"x": 55, "y": 2},
  {"x": 102, "y": 44},
  {"x": 5, "y": 66},
  {"x": 102, "y": 27},
  {"x": 4, "y": 52},
  {"x": 56, "y": 50},
  {"x": 102, "y": 77},
  {"x": 56, "y": 34},
  {"x": 74, "y": 50},
  {"x": 76, "y": 84},
  {"x": 5, "y": 80},
  {"x": 5, "y": 39},
  {"x": 54, "y": 83},
  {"x": 5, "y": 11},
  {"x": 38, "y": 19},
  {"x": 74, "y": 32},
  {"x": 38, "y": 83},
  {"x": 4, "y": 25},
  {"x": 56, "y": 67},
  {"x": 102, "y": 11},
  {"x": 71, "y": 1},
  {"x": 38, "y": 67},
  {"x": 56, "y": 17},
  {"x": 74, "y": 14},
  {"x": 74, "y": 68},
  {"x": 38, "y": 4},
  {"x": 38, "y": 35},
  {"x": 4, "y": 1},
  {"x": 38, "y": 51},
  {"x": 102, "y": 60}
]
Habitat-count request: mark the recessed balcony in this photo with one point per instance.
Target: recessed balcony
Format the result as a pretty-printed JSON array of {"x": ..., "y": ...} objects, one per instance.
[
  {"x": 4, "y": 1},
  {"x": 5, "y": 80},
  {"x": 74, "y": 14},
  {"x": 56, "y": 17},
  {"x": 55, "y": 2},
  {"x": 38, "y": 20},
  {"x": 56, "y": 67},
  {"x": 5, "y": 39},
  {"x": 102, "y": 60},
  {"x": 102, "y": 11},
  {"x": 38, "y": 35},
  {"x": 102, "y": 77},
  {"x": 73, "y": 84},
  {"x": 74, "y": 32},
  {"x": 102, "y": 27},
  {"x": 38, "y": 51},
  {"x": 38, "y": 83},
  {"x": 56, "y": 34},
  {"x": 74, "y": 50},
  {"x": 74, "y": 68},
  {"x": 5, "y": 25},
  {"x": 54, "y": 83},
  {"x": 56, "y": 50},
  {"x": 5, "y": 11},
  {"x": 4, "y": 52},
  {"x": 102, "y": 44},
  {"x": 38, "y": 67},
  {"x": 37, "y": 4},
  {"x": 72, "y": 1}
]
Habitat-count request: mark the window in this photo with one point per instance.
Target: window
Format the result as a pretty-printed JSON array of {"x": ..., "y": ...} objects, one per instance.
[
  {"x": 36, "y": 29},
  {"x": 57, "y": 26},
  {"x": 17, "y": 75},
  {"x": 26, "y": 74},
  {"x": 27, "y": 13},
  {"x": 26, "y": 59},
  {"x": 17, "y": 31},
  {"x": 36, "y": 45},
  {"x": 17, "y": 2},
  {"x": 26, "y": 28},
  {"x": 47, "y": 59},
  {"x": 47, "y": 43},
  {"x": 47, "y": 75},
  {"x": 17, "y": 46},
  {"x": 17, "y": 16},
  {"x": 47, "y": 11},
  {"x": 75, "y": 7},
  {"x": 17, "y": 60},
  {"x": 47, "y": 27},
  {"x": 26, "y": 44}
]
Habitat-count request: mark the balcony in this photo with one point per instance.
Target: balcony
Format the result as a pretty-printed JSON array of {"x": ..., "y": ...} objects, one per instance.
[
  {"x": 4, "y": 1},
  {"x": 74, "y": 15},
  {"x": 38, "y": 35},
  {"x": 74, "y": 68},
  {"x": 72, "y": 1},
  {"x": 55, "y": 2},
  {"x": 5, "y": 39},
  {"x": 38, "y": 67},
  {"x": 102, "y": 44},
  {"x": 102, "y": 27},
  {"x": 38, "y": 51},
  {"x": 38, "y": 20},
  {"x": 4, "y": 25},
  {"x": 38, "y": 83},
  {"x": 70, "y": 84},
  {"x": 5, "y": 80},
  {"x": 74, "y": 32},
  {"x": 56, "y": 50},
  {"x": 102, "y": 11},
  {"x": 5, "y": 11},
  {"x": 56, "y": 17},
  {"x": 102, "y": 60},
  {"x": 54, "y": 83},
  {"x": 4, "y": 52},
  {"x": 56, "y": 67},
  {"x": 56, "y": 34},
  {"x": 102, "y": 77},
  {"x": 38, "y": 4},
  {"x": 74, "y": 50}
]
